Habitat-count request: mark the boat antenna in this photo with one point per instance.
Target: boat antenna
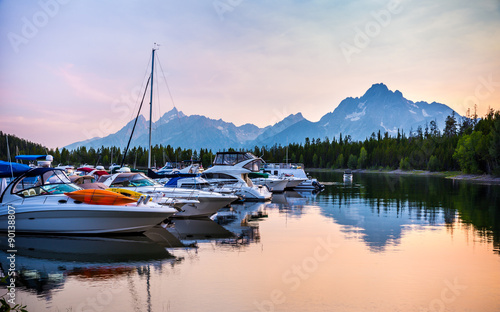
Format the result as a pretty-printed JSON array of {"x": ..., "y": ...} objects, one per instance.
[
  {"x": 155, "y": 47},
  {"x": 133, "y": 128}
]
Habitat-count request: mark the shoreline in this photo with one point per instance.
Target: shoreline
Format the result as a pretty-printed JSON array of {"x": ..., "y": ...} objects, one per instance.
[{"x": 453, "y": 175}]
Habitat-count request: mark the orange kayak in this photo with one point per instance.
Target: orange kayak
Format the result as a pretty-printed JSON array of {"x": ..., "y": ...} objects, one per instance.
[{"x": 100, "y": 197}]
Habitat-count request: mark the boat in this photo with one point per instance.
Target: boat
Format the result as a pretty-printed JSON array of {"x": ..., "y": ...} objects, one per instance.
[
  {"x": 231, "y": 170},
  {"x": 86, "y": 182},
  {"x": 293, "y": 181},
  {"x": 169, "y": 170},
  {"x": 292, "y": 172},
  {"x": 273, "y": 183},
  {"x": 40, "y": 202},
  {"x": 202, "y": 203},
  {"x": 10, "y": 169},
  {"x": 41, "y": 160},
  {"x": 68, "y": 168},
  {"x": 92, "y": 171},
  {"x": 347, "y": 175}
]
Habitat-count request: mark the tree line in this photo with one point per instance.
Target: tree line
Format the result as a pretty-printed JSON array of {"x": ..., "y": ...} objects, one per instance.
[{"x": 468, "y": 144}]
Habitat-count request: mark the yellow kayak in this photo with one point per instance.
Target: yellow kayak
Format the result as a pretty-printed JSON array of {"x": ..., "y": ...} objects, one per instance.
[{"x": 128, "y": 193}]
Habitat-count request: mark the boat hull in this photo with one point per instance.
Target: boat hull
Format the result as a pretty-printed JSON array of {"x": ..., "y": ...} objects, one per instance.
[
  {"x": 310, "y": 184},
  {"x": 294, "y": 182},
  {"x": 274, "y": 185},
  {"x": 206, "y": 207},
  {"x": 82, "y": 219},
  {"x": 255, "y": 193}
]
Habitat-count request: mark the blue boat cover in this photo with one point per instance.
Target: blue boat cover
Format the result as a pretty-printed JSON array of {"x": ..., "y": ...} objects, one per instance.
[
  {"x": 31, "y": 157},
  {"x": 17, "y": 169}
]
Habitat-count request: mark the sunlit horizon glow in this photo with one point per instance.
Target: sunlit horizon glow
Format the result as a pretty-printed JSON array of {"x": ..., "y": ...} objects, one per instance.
[{"x": 72, "y": 70}]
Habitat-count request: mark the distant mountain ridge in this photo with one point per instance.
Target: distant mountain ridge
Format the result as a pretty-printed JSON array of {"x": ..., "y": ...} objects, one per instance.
[{"x": 379, "y": 109}]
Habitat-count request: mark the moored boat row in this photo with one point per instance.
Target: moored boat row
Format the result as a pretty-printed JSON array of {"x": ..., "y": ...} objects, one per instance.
[{"x": 45, "y": 200}]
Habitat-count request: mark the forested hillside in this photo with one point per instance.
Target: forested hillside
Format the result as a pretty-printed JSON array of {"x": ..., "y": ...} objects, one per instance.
[
  {"x": 469, "y": 144},
  {"x": 18, "y": 146}
]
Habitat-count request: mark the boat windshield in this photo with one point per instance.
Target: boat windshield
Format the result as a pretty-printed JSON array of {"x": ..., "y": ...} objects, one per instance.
[
  {"x": 45, "y": 183},
  {"x": 254, "y": 165},
  {"x": 136, "y": 180},
  {"x": 231, "y": 159}
]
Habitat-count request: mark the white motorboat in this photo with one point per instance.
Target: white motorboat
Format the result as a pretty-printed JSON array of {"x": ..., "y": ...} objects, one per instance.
[
  {"x": 293, "y": 182},
  {"x": 167, "y": 169},
  {"x": 231, "y": 169},
  {"x": 196, "y": 182},
  {"x": 35, "y": 202},
  {"x": 67, "y": 168},
  {"x": 347, "y": 175},
  {"x": 292, "y": 172},
  {"x": 208, "y": 202},
  {"x": 273, "y": 183}
]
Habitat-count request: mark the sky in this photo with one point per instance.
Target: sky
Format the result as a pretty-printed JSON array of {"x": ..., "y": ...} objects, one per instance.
[{"x": 71, "y": 70}]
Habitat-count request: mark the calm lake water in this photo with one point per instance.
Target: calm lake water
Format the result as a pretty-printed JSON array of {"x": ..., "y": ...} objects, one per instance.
[{"x": 381, "y": 243}]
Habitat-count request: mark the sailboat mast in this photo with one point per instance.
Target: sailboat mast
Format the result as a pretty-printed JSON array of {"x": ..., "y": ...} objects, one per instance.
[{"x": 151, "y": 107}]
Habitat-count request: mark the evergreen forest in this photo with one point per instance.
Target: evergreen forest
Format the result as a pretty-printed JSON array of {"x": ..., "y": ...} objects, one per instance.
[{"x": 471, "y": 145}]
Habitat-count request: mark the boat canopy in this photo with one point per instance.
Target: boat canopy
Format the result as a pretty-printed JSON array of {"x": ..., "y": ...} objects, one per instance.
[
  {"x": 85, "y": 169},
  {"x": 232, "y": 158},
  {"x": 9, "y": 169},
  {"x": 133, "y": 179},
  {"x": 32, "y": 157},
  {"x": 42, "y": 181}
]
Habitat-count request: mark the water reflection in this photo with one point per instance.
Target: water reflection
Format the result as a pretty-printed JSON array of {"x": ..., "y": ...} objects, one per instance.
[
  {"x": 241, "y": 220},
  {"x": 390, "y": 250},
  {"x": 197, "y": 229},
  {"x": 45, "y": 263},
  {"x": 379, "y": 207},
  {"x": 292, "y": 203}
]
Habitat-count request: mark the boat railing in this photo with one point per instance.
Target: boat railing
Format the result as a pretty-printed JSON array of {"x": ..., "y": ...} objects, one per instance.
[{"x": 283, "y": 166}]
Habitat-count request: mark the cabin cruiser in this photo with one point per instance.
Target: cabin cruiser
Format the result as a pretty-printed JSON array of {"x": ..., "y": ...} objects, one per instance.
[
  {"x": 231, "y": 169},
  {"x": 186, "y": 177},
  {"x": 294, "y": 173},
  {"x": 208, "y": 202},
  {"x": 39, "y": 202},
  {"x": 189, "y": 177}
]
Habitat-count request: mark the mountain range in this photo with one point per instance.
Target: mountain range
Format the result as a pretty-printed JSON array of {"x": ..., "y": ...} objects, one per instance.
[{"x": 379, "y": 109}]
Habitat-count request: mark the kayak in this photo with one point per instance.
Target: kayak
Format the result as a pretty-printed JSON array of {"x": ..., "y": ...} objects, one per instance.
[
  {"x": 100, "y": 197},
  {"x": 127, "y": 193}
]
